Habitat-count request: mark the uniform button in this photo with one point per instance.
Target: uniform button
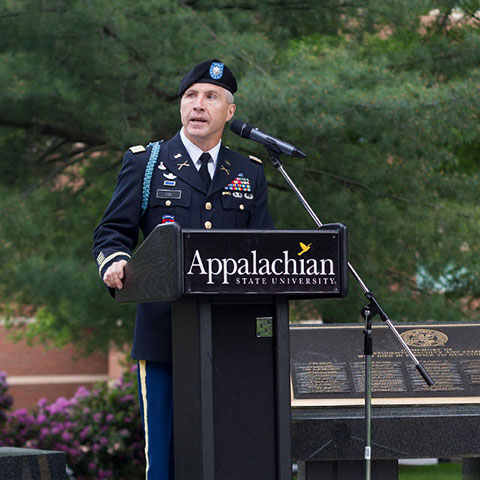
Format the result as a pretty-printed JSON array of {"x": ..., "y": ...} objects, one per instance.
[
  {"x": 168, "y": 203},
  {"x": 242, "y": 206},
  {"x": 208, "y": 225},
  {"x": 208, "y": 206}
]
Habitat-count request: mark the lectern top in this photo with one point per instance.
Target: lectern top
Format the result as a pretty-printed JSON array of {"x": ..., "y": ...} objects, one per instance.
[{"x": 172, "y": 263}]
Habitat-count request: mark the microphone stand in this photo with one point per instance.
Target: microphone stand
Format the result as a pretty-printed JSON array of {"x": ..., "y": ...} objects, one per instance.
[{"x": 368, "y": 313}]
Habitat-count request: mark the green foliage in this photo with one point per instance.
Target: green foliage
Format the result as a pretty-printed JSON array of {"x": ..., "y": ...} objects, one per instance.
[{"x": 384, "y": 101}]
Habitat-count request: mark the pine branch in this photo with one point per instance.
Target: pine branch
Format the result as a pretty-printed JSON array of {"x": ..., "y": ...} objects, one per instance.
[
  {"x": 279, "y": 187},
  {"x": 72, "y": 158},
  {"x": 411, "y": 63},
  {"x": 373, "y": 191},
  {"x": 30, "y": 13},
  {"x": 395, "y": 275},
  {"x": 50, "y": 151},
  {"x": 54, "y": 131},
  {"x": 219, "y": 40},
  {"x": 141, "y": 62}
]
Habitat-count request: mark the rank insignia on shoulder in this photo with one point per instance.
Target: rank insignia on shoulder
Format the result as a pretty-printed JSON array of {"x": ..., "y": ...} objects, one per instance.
[
  {"x": 255, "y": 159},
  {"x": 137, "y": 149}
]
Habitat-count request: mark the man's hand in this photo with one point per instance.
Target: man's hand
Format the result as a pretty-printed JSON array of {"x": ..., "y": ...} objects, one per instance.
[{"x": 114, "y": 275}]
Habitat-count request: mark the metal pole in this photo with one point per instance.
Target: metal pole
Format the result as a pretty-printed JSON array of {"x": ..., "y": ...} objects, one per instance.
[{"x": 368, "y": 350}]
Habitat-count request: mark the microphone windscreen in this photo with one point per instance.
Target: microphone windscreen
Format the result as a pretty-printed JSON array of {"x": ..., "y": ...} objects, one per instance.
[
  {"x": 236, "y": 126},
  {"x": 240, "y": 128}
]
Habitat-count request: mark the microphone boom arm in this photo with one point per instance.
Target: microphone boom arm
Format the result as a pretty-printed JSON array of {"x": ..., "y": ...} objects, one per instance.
[{"x": 374, "y": 306}]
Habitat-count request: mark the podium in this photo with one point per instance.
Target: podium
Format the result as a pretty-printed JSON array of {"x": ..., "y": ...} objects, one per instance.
[{"x": 230, "y": 333}]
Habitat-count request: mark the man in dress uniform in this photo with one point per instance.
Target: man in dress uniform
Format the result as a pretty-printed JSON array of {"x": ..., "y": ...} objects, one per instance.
[{"x": 198, "y": 183}]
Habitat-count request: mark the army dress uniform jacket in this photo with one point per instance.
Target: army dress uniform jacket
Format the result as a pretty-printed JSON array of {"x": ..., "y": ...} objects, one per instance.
[{"x": 236, "y": 198}]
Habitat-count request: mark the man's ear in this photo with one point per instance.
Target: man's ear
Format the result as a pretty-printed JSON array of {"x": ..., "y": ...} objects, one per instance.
[{"x": 231, "y": 110}]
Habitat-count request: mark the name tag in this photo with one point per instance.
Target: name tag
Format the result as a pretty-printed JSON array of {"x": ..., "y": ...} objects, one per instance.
[{"x": 175, "y": 194}]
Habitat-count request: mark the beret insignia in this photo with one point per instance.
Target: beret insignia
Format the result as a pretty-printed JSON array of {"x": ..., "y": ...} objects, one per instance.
[{"x": 216, "y": 70}]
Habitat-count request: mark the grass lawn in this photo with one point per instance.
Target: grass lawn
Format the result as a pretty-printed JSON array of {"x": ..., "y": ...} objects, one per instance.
[{"x": 442, "y": 471}]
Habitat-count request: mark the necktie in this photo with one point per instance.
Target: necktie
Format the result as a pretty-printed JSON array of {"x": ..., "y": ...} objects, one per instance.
[{"x": 205, "y": 158}]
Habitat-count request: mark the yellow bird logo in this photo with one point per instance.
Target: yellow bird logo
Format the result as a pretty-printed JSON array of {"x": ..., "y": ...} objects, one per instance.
[{"x": 305, "y": 248}]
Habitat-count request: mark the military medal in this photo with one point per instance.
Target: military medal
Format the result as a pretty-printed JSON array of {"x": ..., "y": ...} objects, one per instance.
[
  {"x": 170, "y": 176},
  {"x": 239, "y": 184},
  {"x": 248, "y": 196},
  {"x": 237, "y": 194}
]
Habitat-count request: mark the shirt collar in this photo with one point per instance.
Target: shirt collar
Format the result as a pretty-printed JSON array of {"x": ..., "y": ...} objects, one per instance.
[{"x": 195, "y": 152}]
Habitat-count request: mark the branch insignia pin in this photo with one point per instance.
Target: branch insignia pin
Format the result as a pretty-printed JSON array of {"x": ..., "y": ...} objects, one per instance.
[{"x": 181, "y": 165}]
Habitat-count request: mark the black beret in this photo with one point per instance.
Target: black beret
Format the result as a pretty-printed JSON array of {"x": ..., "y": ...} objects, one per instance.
[{"x": 210, "y": 71}]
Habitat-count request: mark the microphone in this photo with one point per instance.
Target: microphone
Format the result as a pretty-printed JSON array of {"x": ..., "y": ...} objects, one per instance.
[{"x": 247, "y": 131}]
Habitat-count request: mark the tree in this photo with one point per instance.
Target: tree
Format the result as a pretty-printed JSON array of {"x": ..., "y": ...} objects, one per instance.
[{"x": 386, "y": 109}]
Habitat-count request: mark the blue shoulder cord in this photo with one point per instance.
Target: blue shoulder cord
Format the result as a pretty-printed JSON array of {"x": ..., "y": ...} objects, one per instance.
[{"x": 147, "y": 179}]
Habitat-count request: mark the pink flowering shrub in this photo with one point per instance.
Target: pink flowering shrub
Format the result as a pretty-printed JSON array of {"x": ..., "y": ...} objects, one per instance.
[{"x": 100, "y": 430}]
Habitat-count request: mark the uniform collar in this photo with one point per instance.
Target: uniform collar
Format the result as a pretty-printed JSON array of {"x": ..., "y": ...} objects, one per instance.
[
  {"x": 178, "y": 161},
  {"x": 195, "y": 152}
]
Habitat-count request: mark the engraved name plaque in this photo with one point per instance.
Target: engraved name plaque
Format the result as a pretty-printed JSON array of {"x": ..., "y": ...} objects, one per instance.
[{"x": 327, "y": 365}]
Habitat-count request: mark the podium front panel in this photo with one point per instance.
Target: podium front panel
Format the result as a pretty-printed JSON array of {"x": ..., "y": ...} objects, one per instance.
[{"x": 310, "y": 262}]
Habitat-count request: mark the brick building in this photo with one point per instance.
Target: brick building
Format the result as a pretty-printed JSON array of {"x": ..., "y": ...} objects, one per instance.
[{"x": 34, "y": 372}]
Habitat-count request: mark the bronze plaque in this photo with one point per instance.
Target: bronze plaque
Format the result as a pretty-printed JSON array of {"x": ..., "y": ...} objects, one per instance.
[{"x": 328, "y": 366}]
